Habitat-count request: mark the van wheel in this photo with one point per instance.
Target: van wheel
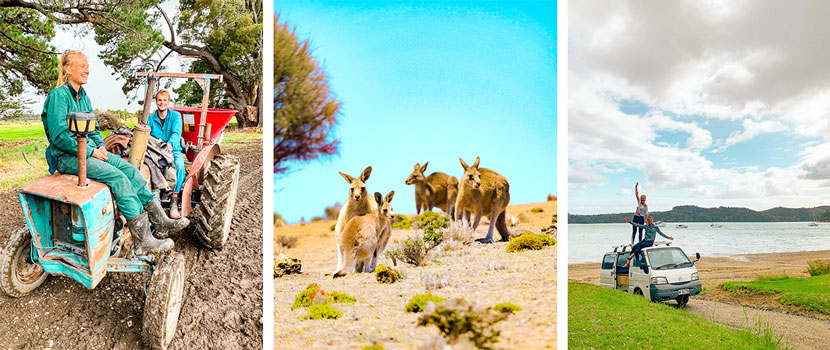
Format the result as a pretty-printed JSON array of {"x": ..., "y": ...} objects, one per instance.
[
  {"x": 682, "y": 300},
  {"x": 638, "y": 291}
]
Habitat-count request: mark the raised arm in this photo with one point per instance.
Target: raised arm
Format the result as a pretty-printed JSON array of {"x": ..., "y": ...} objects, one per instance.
[
  {"x": 637, "y": 192},
  {"x": 662, "y": 234},
  {"x": 634, "y": 224}
]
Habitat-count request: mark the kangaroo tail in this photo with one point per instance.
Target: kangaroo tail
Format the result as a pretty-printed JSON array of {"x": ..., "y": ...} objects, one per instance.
[{"x": 501, "y": 226}]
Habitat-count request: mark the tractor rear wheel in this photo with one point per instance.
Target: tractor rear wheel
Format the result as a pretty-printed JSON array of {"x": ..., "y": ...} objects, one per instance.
[
  {"x": 165, "y": 297},
  {"x": 215, "y": 213},
  {"x": 19, "y": 276}
]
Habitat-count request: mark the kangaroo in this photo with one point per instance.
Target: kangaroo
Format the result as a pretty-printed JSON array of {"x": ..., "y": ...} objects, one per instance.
[
  {"x": 362, "y": 238},
  {"x": 452, "y": 195},
  {"x": 358, "y": 203},
  {"x": 430, "y": 191},
  {"x": 483, "y": 191}
]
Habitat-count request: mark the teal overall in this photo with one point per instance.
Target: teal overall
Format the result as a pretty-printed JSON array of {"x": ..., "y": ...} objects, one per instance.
[
  {"x": 125, "y": 181},
  {"x": 169, "y": 130}
]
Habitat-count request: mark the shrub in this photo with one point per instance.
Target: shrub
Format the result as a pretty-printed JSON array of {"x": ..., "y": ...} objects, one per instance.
[
  {"x": 437, "y": 281},
  {"x": 818, "y": 267},
  {"x": 412, "y": 251},
  {"x": 320, "y": 311},
  {"x": 305, "y": 297},
  {"x": 536, "y": 210},
  {"x": 529, "y": 241},
  {"x": 507, "y": 308},
  {"x": 338, "y": 297},
  {"x": 456, "y": 318},
  {"x": 287, "y": 241},
  {"x": 431, "y": 223},
  {"x": 401, "y": 221},
  {"x": 331, "y": 228},
  {"x": 418, "y": 302},
  {"x": 386, "y": 274},
  {"x": 374, "y": 346}
]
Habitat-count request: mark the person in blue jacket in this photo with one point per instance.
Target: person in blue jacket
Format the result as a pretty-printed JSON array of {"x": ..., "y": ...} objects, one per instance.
[{"x": 166, "y": 125}]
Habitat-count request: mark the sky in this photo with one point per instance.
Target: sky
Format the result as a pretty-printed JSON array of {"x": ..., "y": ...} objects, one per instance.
[
  {"x": 709, "y": 103},
  {"x": 429, "y": 82},
  {"x": 104, "y": 86}
]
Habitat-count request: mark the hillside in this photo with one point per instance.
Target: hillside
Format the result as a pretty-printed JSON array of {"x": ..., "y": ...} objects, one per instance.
[{"x": 691, "y": 213}]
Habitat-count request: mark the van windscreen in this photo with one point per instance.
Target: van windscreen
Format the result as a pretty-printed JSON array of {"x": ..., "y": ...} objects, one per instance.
[{"x": 668, "y": 259}]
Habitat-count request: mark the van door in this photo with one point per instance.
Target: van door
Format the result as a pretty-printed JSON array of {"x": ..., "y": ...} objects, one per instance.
[
  {"x": 607, "y": 276},
  {"x": 639, "y": 278},
  {"x": 622, "y": 272}
]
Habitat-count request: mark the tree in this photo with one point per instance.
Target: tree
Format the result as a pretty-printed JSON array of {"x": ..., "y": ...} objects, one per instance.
[
  {"x": 305, "y": 110},
  {"x": 224, "y": 36},
  {"x": 25, "y": 57}
]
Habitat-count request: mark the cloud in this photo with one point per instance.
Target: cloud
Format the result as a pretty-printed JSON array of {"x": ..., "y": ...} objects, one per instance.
[{"x": 763, "y": 64}]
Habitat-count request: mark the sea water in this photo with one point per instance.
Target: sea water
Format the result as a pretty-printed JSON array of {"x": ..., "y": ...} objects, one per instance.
[{"x": 588, "y": 242}]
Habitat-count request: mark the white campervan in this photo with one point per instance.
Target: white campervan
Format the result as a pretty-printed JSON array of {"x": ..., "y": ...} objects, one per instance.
[{"x": 660, "y": 273}]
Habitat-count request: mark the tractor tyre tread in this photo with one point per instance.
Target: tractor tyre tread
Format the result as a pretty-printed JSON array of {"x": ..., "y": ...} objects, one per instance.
[
  {"x": 18, "y": 239},
  {"x": 155, "y": 305},
  {"x": 214, "y": 213}
]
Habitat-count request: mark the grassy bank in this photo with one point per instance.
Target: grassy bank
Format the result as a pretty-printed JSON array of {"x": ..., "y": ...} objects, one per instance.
[
  {"x": 810, "y": 293},
  {"x": 601, "y": 318},
  {"x": 23, "y": 144}
]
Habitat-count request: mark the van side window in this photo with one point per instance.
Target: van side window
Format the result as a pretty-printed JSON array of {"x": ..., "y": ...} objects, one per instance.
[
  {"x": 640, "y": 260},
  {"x": 608, "y": 262}
]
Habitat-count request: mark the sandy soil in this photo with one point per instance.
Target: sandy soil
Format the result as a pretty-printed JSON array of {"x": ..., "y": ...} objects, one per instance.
[
  {"x": 223, "y": 301},
  {"x": 528, "y": 280},
  {"x": 801, "y": 330}
]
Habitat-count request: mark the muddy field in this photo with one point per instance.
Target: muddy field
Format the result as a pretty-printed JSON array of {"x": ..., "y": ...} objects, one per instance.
[
  {"x": 800, "y": 329},
  {"x": 223, "y": 300},
  {"x": 484, "y": 274}
]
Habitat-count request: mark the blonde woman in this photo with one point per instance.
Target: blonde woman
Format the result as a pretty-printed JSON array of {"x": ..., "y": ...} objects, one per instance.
[{"x": 134, "y": 200}]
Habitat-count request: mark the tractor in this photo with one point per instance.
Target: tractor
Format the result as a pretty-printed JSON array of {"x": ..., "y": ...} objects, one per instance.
[{"x": 74, "y": 228}]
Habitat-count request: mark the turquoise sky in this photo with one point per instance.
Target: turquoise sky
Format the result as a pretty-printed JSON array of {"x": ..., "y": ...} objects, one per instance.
[{"x": 432, "y": 81}]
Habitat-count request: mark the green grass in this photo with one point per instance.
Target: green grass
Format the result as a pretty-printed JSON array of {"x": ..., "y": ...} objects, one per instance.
[
  {"x": 24, "y": 141},
  {"x": 810, "y": 293},
  {"x": 602, "y": 318}
]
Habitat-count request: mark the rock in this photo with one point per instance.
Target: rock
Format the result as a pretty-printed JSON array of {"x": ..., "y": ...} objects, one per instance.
[{"x": 285, "y": 265}]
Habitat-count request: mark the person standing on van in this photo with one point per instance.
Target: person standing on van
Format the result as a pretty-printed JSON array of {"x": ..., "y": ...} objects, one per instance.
[
  {"x": 640, "y": 214},
  {"x": 651, "y": 233}
]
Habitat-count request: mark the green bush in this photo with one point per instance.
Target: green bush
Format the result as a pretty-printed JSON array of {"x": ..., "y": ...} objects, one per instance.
[
  {"x": 320, "y": 311},
  {"x": 403, "y": 222},
  {"x": 338, "y": 297},
  {"x": 818, "y": 267},
  {"x": 304, "y": 298},
  {"x": 386, "y": 274},
  {"x": 418, "y": 302},
  {"x": 529, "y": 241},
  {"x": 412, "y": 251},
  {"x": 431, "y": 223},
  {"x": 507, "y": 308},
  {"x": 331, "y": 228},
  {"x": 374, "y": 346},
  {"x": 536, "y": 210},
  {"x": 456, "y": 318}
]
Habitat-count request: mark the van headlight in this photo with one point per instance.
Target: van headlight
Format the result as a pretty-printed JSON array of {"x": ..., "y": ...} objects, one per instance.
[
  {"x": 659, "y": 280},
  {"x": 694, "y": 276}
]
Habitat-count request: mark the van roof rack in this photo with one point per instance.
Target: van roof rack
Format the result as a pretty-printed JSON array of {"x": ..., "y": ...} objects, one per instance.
[
  {"x": 622, "y": 248},
  {"x": 665, "y": 243}
]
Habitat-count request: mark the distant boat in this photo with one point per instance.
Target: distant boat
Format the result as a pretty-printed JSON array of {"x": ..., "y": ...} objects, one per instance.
[
  {"x": 813, "y": 224},
  {"x": 716, "y": 225},
  {"x": 681, "y": 226}
]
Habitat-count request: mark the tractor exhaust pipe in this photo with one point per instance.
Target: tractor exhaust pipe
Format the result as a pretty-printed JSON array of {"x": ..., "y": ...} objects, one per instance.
[{"x": 82, "y": 161}]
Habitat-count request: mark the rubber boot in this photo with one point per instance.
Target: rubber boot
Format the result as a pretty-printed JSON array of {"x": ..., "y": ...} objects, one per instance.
[
  {"x": 174, "y": 206},
  {"x": 162, "y": 224},
  {"x": 144, "y": 242}
]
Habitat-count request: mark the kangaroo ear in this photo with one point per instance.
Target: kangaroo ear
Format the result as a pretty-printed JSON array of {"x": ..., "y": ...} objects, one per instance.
[
  {"x": 464, "y": 165},
  {"x": 348, "y": 178},
  {"x": 389, "y": 197},
  {"x": 365, "y": 174},
  {"x": 475, "y": 165},
  {"x": 417, "y": 166},
  {"x": 378, "y": 198},
  {"x": 424, "y": 168}
]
